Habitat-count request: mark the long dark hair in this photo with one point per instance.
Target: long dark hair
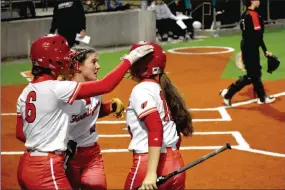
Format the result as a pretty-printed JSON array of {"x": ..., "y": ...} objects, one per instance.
[
  {"x": 247, "y": 3},
  {"x": 177, "y": 105},
  {"x": 39, "y": 71}
]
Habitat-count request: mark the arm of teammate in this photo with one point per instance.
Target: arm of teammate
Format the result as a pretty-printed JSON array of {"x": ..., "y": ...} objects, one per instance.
[
  {"x": 155, "y": 136},
  {"x": 106, "y": 85},
  {"x": 19, "y": 128},
  {"x": 68, "y": 91},
  {"x": 109, "y": 82},
  {"x": 105, "y": 109},
  {"x": 114, "y": 106}
]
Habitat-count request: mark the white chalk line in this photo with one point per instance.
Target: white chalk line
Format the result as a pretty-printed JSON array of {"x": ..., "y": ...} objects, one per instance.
[
  {"x": 222, "y": 110},
  {"x": 242, "y": 144},
  {"x": 25, "y": 76},
  {"x": 227, "y": 50},
  {"x": 5, "y": 153},
  {"x": 252, "y": 100}
]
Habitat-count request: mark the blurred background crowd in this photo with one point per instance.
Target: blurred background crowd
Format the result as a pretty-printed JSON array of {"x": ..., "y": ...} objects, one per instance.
[{"x": 174, "y": 18}]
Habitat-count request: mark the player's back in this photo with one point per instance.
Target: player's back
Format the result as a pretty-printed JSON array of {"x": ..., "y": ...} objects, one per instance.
[
  {"x": 45, "y": 122},
  {"x": 145, "y": 98}
]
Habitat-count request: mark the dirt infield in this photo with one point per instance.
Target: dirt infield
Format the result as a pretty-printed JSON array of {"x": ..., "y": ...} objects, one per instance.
[{"x": 256, "y": 132}]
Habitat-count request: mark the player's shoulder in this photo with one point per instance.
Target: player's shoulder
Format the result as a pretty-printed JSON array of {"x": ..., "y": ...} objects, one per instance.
[
  {"x": 60, "y": 85},
  {"x": 145, "y": 87}
]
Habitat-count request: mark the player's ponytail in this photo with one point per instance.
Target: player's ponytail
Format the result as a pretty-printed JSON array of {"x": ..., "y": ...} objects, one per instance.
[
  {"x": 39, "y": 71},
  {"x": 178, "y": 108}
]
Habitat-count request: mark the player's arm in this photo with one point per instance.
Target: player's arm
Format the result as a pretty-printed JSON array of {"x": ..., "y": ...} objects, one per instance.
[
  {"x": 19, "y": 128},
  {"x": 106, "y": 85},
  {"x": 254, "y": 26},
  {"x": 109, "y": 82},
  {"x": 155, "y": 136},
  {"x": 143, "y": 101},
  {"x": 105, "y": 109},
  {"x": 113, "y": 106}
]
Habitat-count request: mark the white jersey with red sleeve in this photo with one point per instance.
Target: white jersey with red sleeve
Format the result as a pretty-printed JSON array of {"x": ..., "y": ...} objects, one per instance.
[
  {"x": 45, "y": 120},
  {"x": 147, "y": 97},
  {"x": 82, "y": 124}
]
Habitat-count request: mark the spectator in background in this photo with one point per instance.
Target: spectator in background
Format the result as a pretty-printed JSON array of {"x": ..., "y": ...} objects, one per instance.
[
  {"x": 178, "y": 8},
  {"x": 69, "y": 19},
  {"x": 165, "y": 20},
  {"x": 187, "y": 7},
  {"x": 116, "y": 5},
  {"x": 23, "y": 8}
]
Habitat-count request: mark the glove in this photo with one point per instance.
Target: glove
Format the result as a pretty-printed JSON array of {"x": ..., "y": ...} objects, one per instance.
[
  {"x": 118, "y": 107},
  {"x": 239, "y": 62},
  {"x": 138, "y": 53},
  {"x": 272, "y": 63}
]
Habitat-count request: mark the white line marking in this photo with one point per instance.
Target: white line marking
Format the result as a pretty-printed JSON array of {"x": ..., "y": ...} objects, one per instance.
[
  {"x": 208, "y": 120},
  {"x": 242, "y": 144},
  {"x": 26, "y": 77},
  {"x": 251, "y": 101},
  {"x": 261, "y": 152},
  {"x": 8, "y": 114},
  {"x": 203, "y": 109},
  {"x": 111, "y": 122},
  {"x": 240, "y": 140},
  {"x": 223, "y": 112},
  {"x": 225, "y": 115},
  {"x": 227, "y": 50},
  {"x": 237, "y": 147},
  {"x": 204, "y": 147},
  {"x": 233, "y": 133},
  {"x": 124, "y": 122}
]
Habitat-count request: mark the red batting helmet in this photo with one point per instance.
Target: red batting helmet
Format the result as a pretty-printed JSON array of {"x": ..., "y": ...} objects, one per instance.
[
  {"x": 51, "y": 51},
  {"x": 150, "y": 65}
]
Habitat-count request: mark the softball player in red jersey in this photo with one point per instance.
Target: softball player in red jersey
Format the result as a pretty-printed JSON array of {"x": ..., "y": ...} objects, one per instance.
[
  {"x": 86, "y": 169},
  {"x": 42, "y": 118},
  {"x": 156, "y": 115}
]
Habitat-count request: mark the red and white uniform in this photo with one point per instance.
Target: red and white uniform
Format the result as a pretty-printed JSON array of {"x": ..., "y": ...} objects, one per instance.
[
  {"x": 86, "y": 169},
  {"x": 146, "y": 98},
  {"x": 40, "y": 110}
]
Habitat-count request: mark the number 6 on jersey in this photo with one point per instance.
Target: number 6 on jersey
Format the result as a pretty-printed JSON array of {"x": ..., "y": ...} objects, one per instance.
[{"x": 30, "y": 111}]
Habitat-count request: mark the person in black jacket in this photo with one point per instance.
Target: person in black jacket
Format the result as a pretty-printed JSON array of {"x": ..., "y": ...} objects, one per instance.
[
  {"x": 252, "y": 27},
  {"x": 177, "y": 7},
  {"x": 69, "y": 19},
  {"x": 23, "y": 8}
]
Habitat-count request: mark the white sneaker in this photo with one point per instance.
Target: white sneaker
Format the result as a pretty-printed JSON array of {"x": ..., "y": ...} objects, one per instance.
[
  {"x": 268, "y": 100},
  {"x": 227, "y": 102}
]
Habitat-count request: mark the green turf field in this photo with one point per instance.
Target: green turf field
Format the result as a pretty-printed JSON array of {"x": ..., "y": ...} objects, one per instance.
[{"x": 274, "y": 40}]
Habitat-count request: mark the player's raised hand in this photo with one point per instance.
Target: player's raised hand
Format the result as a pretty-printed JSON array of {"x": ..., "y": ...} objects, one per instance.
[{"x": 138, "y": 53}]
